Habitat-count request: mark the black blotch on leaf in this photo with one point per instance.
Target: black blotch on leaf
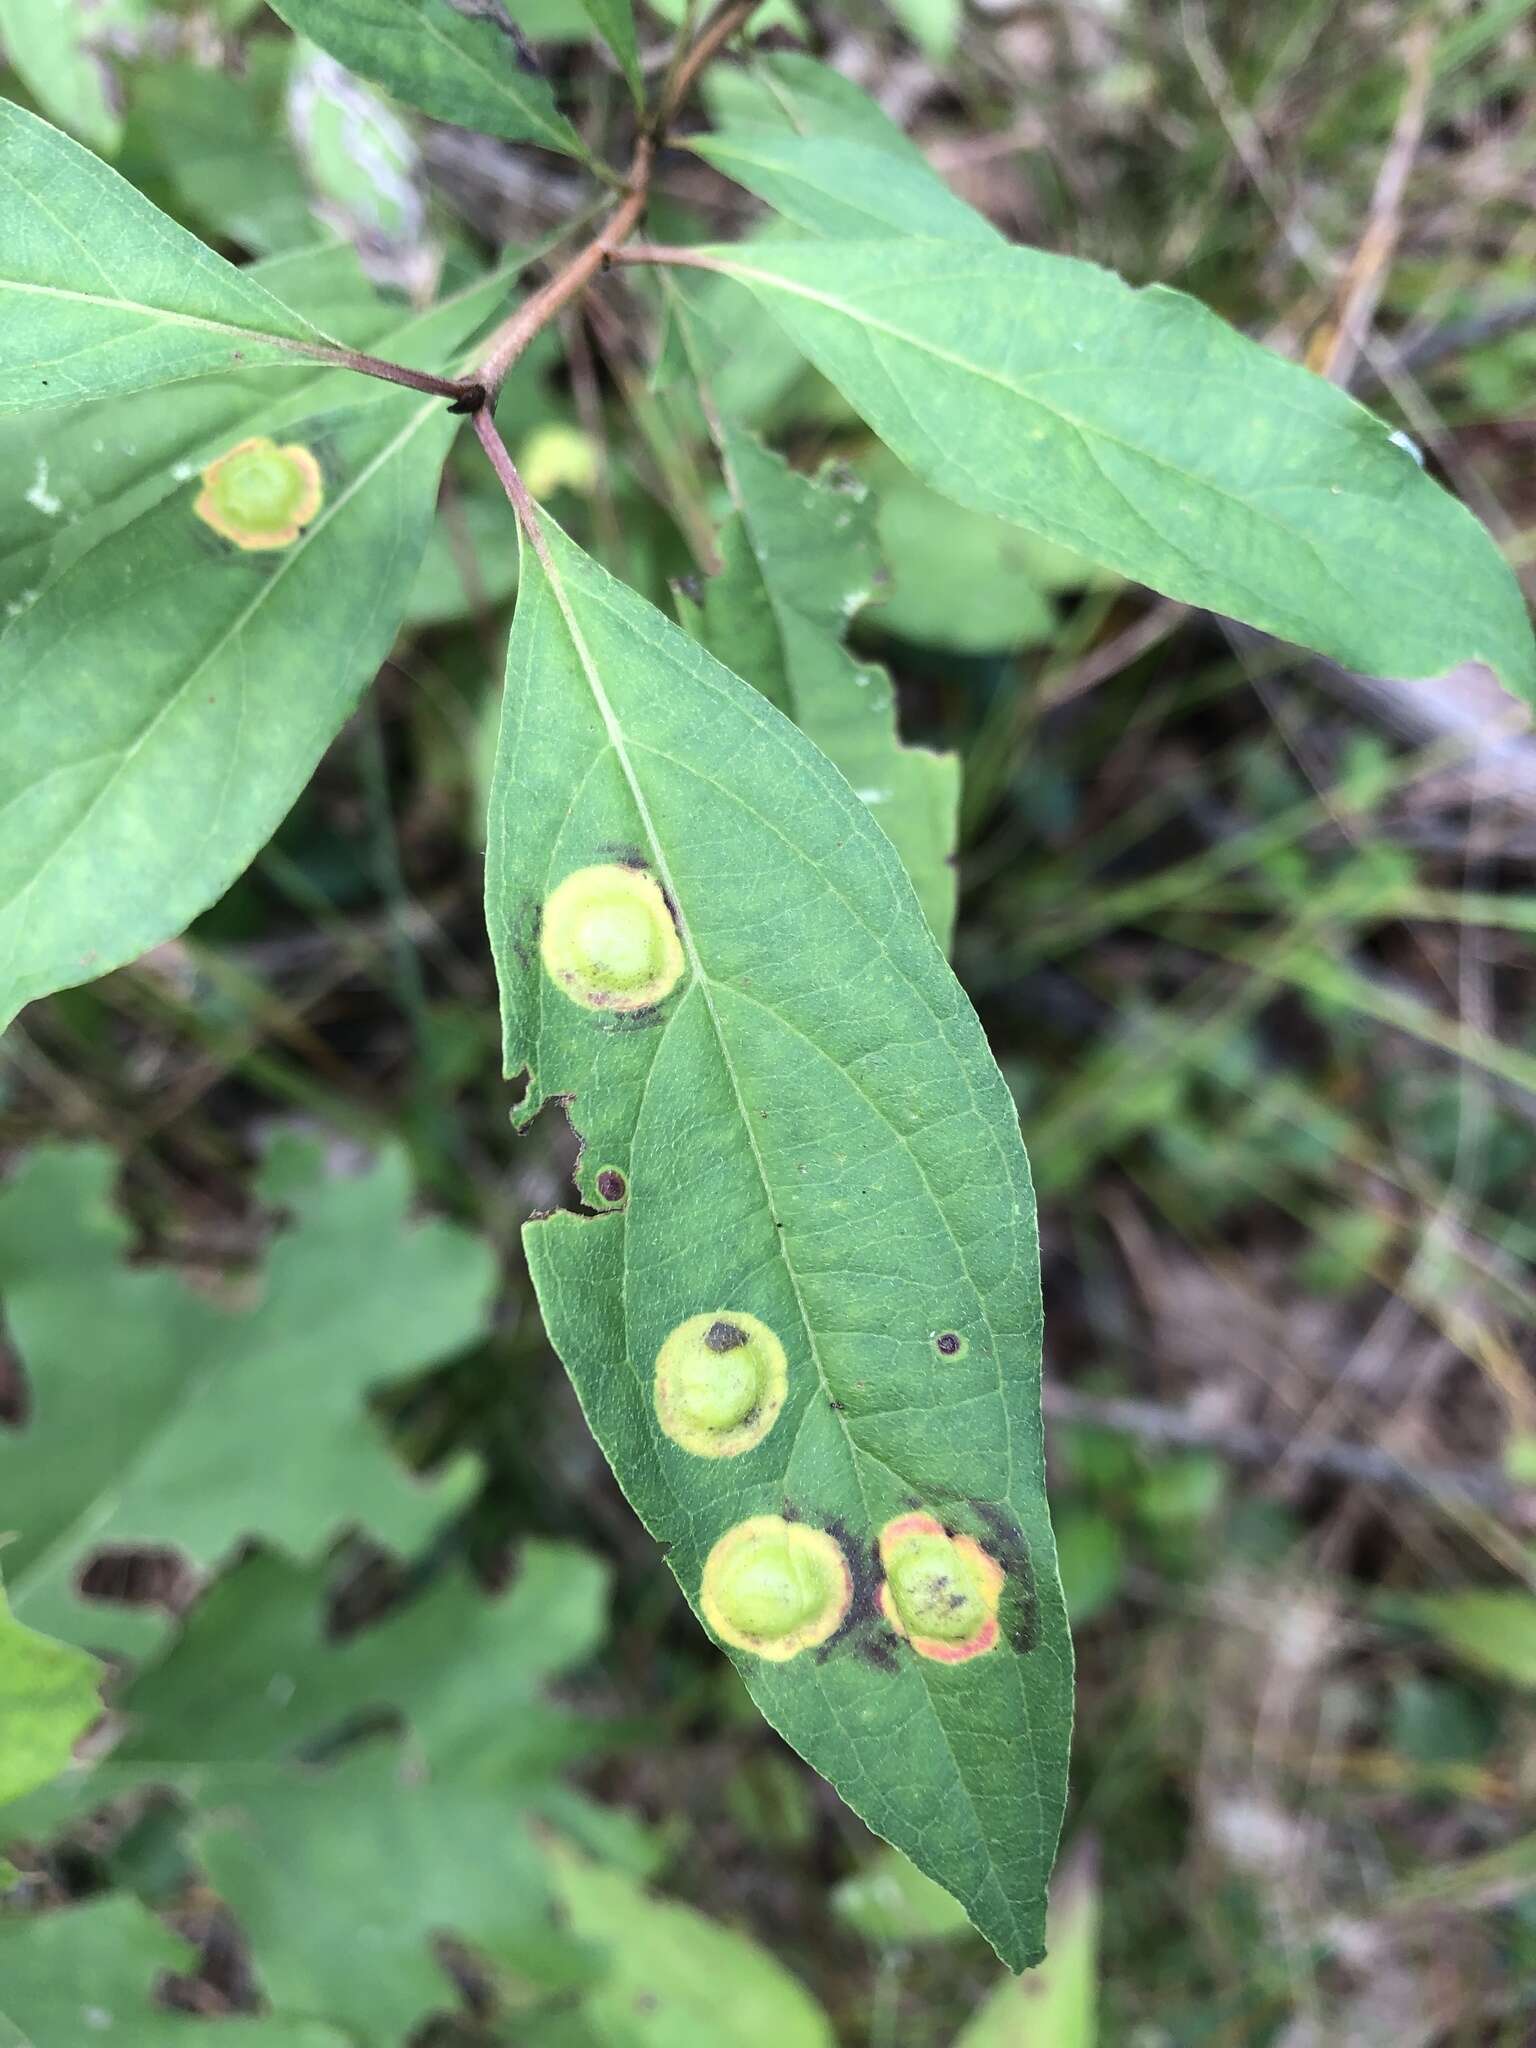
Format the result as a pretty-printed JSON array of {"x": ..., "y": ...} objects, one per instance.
[
  {"x": 878, "y": 1650},
  {"x": 1018, "y": 1608},
  {"x": 725, "y": 1336}
]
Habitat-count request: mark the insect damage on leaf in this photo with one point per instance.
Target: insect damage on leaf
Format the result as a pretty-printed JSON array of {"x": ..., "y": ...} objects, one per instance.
[
  {"x": 259, "y": 495},
  {"x": 775, "y": 1587},
  {"x": 941, "y": 1591},
  {"x": 950, "y": 1344},
  {"x": 721, "y": 1379},
  {"x": 611, "y": 1185},
  {"x": 608, "y": 939}
]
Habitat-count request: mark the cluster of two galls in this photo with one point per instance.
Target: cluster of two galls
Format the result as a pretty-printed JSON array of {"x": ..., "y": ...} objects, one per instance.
[{"x": 771, "y": 1586}]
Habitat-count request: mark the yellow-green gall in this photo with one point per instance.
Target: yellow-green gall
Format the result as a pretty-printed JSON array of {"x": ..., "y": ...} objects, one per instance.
[
  {"x": 939, "y": 1591},
  {"x": 721, "y": 1379},
  {"x": 775, "y": 1587},
  {"x": 557, "y": 457},
  {"x": 608, "y": 941},
  {"x": 260, "y": 495}
]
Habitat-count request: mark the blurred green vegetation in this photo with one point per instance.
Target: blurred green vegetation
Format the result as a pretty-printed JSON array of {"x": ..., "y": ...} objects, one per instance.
[{"x": 446, "y": 1754}]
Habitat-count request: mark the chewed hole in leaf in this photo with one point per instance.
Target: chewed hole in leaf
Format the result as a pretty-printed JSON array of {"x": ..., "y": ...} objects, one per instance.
[
  {"x": 259, "y": 495},
  {"x": 140, "y": 1575},
  {"x": 775, "y": 1587},
  {"x": 608, "y": 940},
  {"x": 721, "y": 1380},
  {"x": 941, "y": 1591}
]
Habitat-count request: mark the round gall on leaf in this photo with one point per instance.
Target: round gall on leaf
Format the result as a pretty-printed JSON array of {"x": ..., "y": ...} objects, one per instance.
[
  {"x": 940, "y": 1591},
  {"x": 608, "y": 941},
  {"x": 260, "y": 495},
  {"x": 721, "y": 1379},
  {"x": 775, "y": 1587}
]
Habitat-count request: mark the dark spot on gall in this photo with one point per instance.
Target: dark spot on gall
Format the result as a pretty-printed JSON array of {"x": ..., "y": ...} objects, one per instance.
[
  {"x": 610, "y": 1184},
  {"x": 725, "y": 1336}
]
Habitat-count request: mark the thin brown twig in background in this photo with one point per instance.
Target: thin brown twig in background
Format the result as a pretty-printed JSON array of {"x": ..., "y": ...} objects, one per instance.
[
  {"x": 1338, "y": 348},
  {"x": 1471, "y": 1486}
]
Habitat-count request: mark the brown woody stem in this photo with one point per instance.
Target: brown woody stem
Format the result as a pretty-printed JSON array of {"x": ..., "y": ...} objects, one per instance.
[{"x": 508, "y": 343}]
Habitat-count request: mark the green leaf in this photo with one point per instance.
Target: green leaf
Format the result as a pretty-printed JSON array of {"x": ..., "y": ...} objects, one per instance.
[
  {"x": 934, "y": 25},
  {"x": 100, "y": 292},
  {"x": 406, "y": 1840},
  {"x": 48, "y": 1698},
  {"x": 1491, "y": 1628},
  {"x": 1058, "y": 2006},
  {"x": 372, "y": 1859},
  {"x": 159, "y": 1418},
  {"x": 831, "y": 186},
  {"x": 218, "y": 141},
  {"x": 959, "y": 580},
  {"x": 798, "y": 95},
  {"x": 459, "y": 67},
  {"x": 799, "y": 560},
  {"x": 889, "y": 1901},
  {"x": 50, "y": 45},
  {"x": 671, "y": 1973},
  {"x": 1141, "y": 431},
  {"x": 253, "y": 1676},
  {"x": 470, "y": 563},
  {"x": 798, "y": 1101},
  {"x": 89, "y": 1972},
  {"x": 167, "y": 697},
  {"x": 91, "y": 467},
  {"x": 614, "y": 21}
]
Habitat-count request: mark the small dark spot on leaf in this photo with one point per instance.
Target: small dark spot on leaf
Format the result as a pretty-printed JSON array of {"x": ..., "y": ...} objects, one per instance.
[
  {"x": 610, "y": 1184},
  {"x": 835, "y": 1405},
  {"x": 947, "y": 1343},
  {"x": 725, "y": 1336}
]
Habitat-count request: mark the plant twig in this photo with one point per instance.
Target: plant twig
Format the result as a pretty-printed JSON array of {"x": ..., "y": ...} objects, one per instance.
[
  {"x": 457, "y": 388},
  {"x": 1475, "y": 1486},
  {"x": 508, "y": 343}
]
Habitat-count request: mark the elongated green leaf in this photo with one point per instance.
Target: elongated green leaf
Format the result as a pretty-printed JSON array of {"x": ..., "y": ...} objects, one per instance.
[
  {"x": 49, "y": 42},
  {"x": 89, "y": 1972},
  {"x": 167, "y": 697},
  {"x": 831, "y": 186},
  {"x": 462, "y": 67},
  {"x": 48, "y": 1698},
  {"x": 90, "y": 468},
  {"x": 614, "y": 21},
  {"x": 799, "y": 560},
  {"x": 1138, "y": 429},
  {"x": 100, "y": 292},
  {"x": 158, "y": 1418},
  {"x": 794, "y": 1103}
]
